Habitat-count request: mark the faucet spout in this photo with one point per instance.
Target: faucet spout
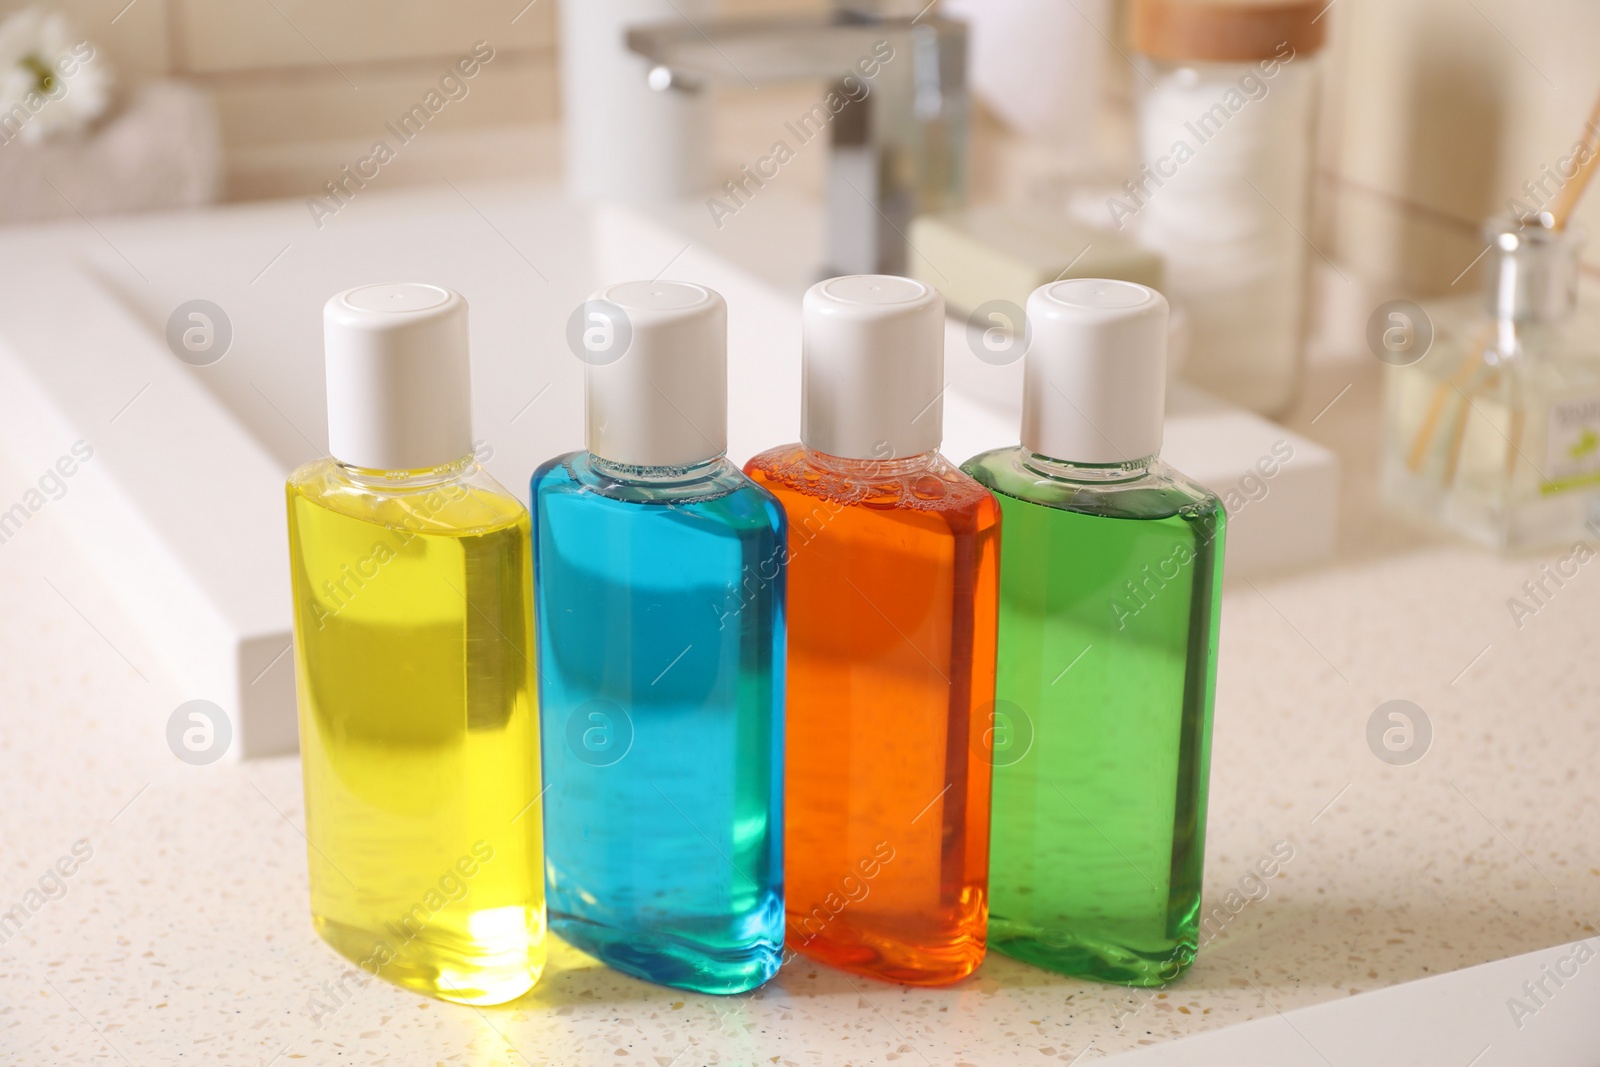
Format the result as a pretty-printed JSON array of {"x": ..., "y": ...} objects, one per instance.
[{"x": 896, "y": 108}]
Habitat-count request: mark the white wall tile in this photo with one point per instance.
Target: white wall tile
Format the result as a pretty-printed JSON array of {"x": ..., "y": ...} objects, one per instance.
[
  {"x": 318, "y": 105},
  {"x": 1444, "y": 110},
  {"x": 220, "y": 35},
  {"x": 133, "y": 36}
]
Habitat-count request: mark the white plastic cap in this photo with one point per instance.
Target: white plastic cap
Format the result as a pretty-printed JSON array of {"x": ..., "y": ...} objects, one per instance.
[
  {"x": 664, "y": 401},
  {"x": 399, "y": 385},
  {"x": 1094, "y": 378},
  {"x": 872, "y": 360}
]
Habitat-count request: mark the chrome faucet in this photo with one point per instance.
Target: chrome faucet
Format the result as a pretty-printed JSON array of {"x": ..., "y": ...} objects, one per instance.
[{"x": 896, "y": 107}]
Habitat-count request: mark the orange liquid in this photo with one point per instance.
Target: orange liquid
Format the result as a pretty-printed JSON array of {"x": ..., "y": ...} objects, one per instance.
[{"x": 893, "y": 570}]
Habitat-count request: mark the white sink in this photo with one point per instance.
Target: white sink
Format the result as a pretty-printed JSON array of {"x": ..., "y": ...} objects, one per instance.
[{"x": 181, "y": 506}]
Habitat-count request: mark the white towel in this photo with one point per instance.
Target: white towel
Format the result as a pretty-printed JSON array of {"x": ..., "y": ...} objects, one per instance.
[{"x": 161, "y": 149}]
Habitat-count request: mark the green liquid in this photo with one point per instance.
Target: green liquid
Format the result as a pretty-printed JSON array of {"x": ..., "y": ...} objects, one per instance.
[{"x": 1109, "y": 602}]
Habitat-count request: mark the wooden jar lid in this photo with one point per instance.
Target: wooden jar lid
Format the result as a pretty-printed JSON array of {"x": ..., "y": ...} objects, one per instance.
[{"x": 1226, "y": 30}]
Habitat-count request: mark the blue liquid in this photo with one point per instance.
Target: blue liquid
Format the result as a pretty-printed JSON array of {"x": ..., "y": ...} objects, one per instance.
[{"x": 660, "y": 599}]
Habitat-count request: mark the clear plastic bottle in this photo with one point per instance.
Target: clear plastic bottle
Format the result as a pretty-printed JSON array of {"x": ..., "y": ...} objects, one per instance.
[
  {"x": 660, "y": 589},
  {"x": 1495, "y": 431},
  {"x": 892, "y": 586},
  {"x": 410, "y": 572},
  {"x": 1110, "y": 592}
]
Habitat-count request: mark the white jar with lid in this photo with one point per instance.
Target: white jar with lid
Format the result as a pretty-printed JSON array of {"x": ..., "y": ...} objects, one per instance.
[{"x": 1227, "y": 130}]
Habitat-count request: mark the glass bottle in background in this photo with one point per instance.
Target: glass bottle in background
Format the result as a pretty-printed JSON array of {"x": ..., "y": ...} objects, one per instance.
[
  {"x": 1227, "y": 132},
  {"x": 1110, "y": 593},
  {"x": 660, "y": 588},
  {"x": 1495, "y": 431},
  {"x": 892, "y": 586},
  {"x": 410, "y": 571}
]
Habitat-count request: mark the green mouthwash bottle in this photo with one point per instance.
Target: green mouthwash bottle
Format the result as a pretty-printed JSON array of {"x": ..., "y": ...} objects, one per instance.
[{"x": 1110, "y": 575}]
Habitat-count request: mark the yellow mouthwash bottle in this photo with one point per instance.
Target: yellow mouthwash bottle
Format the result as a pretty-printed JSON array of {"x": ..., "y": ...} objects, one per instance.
[{"x": 414, "y": 663}]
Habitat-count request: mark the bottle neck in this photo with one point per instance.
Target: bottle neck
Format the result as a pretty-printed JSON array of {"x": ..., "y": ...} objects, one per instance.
[
  {"x": 1063, "y": 470},
  {"x": 418, "y": 479},
  {"x": 661, "y": 477},
  {"x": 869, "y": 469},
  {"x": 1533, "y": 272}
]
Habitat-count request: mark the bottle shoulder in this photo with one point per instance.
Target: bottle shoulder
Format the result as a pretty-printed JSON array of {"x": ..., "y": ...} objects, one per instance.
[
  {"x": 1159, "y": 492},
  {"x": 716, "y": 487},
  {"x": 925, "y": 483},
  {"x": 461, "y": 500}
]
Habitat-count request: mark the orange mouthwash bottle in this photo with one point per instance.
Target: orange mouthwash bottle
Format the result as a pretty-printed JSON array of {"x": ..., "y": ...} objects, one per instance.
[{"x": 893, "y": 586}]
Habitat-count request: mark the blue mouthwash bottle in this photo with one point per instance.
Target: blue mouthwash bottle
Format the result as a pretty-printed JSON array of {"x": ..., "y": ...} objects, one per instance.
[{"x": 659, "y": 578}]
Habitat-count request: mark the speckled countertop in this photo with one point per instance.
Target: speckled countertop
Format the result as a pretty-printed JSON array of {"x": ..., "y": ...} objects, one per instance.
[{"x": 184, "y": 936}]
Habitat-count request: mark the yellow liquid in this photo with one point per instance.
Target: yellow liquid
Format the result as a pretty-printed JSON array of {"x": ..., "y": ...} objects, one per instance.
[{"x": 419, "y": 731}]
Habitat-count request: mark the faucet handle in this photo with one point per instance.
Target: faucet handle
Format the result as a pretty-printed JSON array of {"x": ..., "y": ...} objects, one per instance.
[{"x": 885, "y": 9}]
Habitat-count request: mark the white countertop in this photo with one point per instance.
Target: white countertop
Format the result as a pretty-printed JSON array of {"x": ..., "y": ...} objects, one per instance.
[{"x": 185, "y": 936}]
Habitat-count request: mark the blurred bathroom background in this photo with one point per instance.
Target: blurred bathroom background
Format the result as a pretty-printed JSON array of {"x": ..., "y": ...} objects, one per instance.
[
  {"x": 1434, "y": 112},
  {"x": 533, "y": 149}
]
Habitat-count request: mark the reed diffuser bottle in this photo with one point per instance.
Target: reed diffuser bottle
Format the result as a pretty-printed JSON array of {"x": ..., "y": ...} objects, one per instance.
[
  {"x": 1495, "y": 431},
  {"x": 414, "y": 664},
  {"x": 660, "y": 586},
  {"x": 1111, "y": 567},
  {"x": 892, "y": 586}
]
